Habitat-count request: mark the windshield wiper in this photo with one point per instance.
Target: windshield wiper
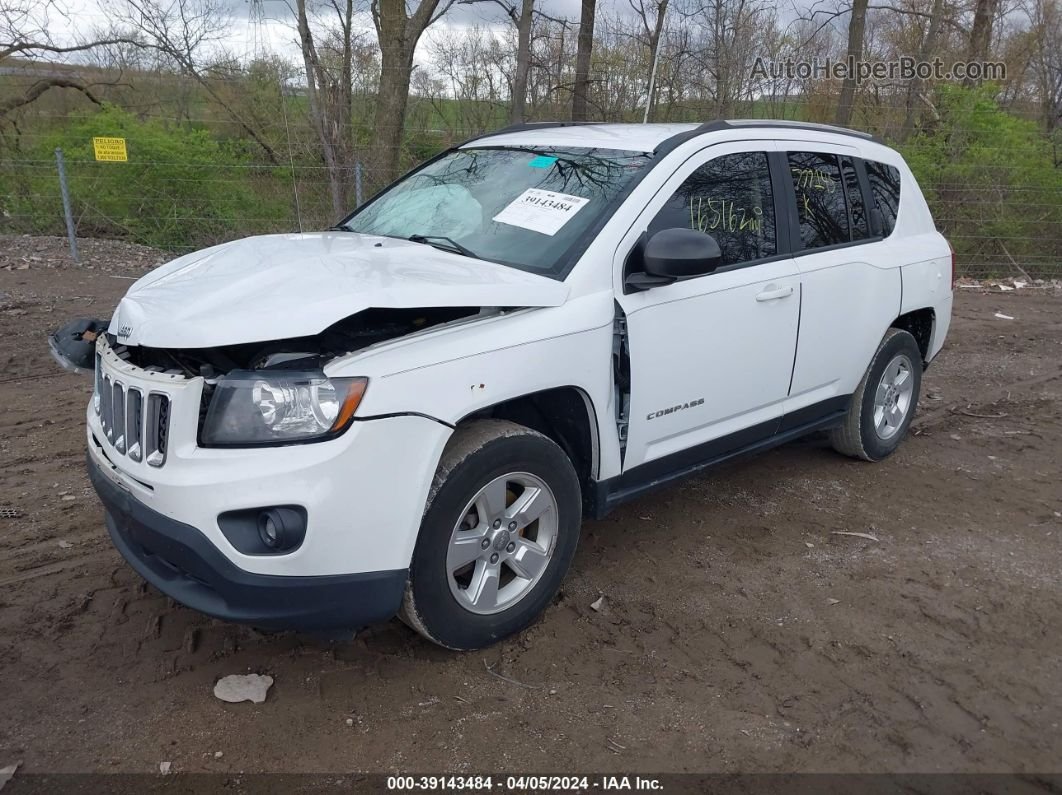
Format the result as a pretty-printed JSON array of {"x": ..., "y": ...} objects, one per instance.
[{"x": 445, "y": 243}]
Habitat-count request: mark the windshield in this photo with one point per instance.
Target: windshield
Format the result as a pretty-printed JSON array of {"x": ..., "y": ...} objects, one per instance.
[{"x": 524, "y": 207}]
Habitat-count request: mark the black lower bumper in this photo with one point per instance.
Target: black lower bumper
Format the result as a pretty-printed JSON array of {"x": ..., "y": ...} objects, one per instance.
[{"x": 185, "y": 565}]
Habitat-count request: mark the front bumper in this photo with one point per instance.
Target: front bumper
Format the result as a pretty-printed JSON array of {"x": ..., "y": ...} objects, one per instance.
[{"x": 185, "y": 565}]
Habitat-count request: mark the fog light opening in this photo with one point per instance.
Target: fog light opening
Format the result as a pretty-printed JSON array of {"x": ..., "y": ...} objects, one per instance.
[
  {"x": 265, "y": 529},
  {"x": 271, "y": 529}
]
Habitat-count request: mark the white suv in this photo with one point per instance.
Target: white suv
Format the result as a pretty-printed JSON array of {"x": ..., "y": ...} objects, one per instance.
[{"x": 412, "y": 412}]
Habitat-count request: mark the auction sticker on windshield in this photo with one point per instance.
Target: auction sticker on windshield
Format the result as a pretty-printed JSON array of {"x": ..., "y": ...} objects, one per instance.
[{"x": 541, "y": 210}]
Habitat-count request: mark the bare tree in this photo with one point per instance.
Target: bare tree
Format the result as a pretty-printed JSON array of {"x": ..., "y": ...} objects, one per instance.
[
  {"x": 329, "y": 90},
  {"x": 915, "y": 96},
  {"x": 523, "y": 19},
  {"x": 517, "y": 113},
  {"x": 981, "y": 32},
  {"x": 581, "y": 86},
  {"x": 651, "y": 14},
  {"x": 726, "y": 37},
  {"x": 475, "y": 63},
  {"x": 398, "y": 31},
  {"x": 1047, "y": 60},
  {"x": 856, "y": 31},
  {"x": 24, "y": 34},
  {"x": 190, "y": 32}
]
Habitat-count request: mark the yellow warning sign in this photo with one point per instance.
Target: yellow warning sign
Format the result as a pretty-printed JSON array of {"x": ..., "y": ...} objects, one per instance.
[{"x": 110, "y": 149}]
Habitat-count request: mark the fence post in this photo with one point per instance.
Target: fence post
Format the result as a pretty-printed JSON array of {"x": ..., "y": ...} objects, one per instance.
[
  {"x": 357, "y": 183},
  {"x": 61, "y": 164}
]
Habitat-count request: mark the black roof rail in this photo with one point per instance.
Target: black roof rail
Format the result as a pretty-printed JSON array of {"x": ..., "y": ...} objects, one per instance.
[
  {"x": 801, "y": 125},
  {"x": 675, "y": 140},
  {"x": 738, "y": 124}
]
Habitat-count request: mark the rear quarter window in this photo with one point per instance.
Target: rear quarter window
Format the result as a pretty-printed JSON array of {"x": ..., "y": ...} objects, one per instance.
[{"x": 885, "y": 191}]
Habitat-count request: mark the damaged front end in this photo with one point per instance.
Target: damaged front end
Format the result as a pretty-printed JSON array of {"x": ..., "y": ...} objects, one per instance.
[
  {"x": 74, "y": 345},
  {"x": 349, "y": 335},
  {"x": 252, "y": 324},
  {"x": 262, "y": 393}
]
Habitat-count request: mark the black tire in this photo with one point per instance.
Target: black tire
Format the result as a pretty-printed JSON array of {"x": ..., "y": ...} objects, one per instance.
[
  {"x": 477, "y": 454},
  {"x": 858, "y": 436}
]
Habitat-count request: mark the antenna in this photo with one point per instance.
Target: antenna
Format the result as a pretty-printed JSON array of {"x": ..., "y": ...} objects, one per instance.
[{"x": 256, "y": 20}]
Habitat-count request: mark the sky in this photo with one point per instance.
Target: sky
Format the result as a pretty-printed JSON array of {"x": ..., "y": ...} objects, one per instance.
[
  {"x": 282, "y": 36},
  {"x": 278, "y": 35}
]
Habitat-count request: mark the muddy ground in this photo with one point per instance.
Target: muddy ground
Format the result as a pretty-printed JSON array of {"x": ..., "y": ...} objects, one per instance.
[{"x": 740, "y": 631}]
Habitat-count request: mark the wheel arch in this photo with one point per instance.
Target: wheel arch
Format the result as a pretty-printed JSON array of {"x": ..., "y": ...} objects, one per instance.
[
  {"x": 564, "y": 414},
  {"x": 919, "y": 323}
]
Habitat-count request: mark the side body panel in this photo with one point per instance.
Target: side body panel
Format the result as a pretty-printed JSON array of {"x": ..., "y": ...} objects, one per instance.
[
  {"x": 452, "y": 373},
  {"x": 928, "y": 284},
  {"x": 919, "y": 250}
]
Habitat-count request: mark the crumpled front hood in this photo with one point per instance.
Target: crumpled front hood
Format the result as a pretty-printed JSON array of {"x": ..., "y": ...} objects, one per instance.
[{"x": 280, "y": 286}]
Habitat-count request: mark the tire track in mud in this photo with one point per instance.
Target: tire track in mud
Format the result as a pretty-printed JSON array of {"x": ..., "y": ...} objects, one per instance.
[
  {"x": 52, "y": 569},
  {"x": 929, "y": 418}
]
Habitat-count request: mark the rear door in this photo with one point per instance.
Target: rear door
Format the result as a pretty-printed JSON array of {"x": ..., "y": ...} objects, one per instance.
[{"x": 849, "y": 275}]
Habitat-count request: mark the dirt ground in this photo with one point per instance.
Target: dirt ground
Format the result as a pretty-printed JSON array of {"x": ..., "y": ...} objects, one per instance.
[{"x": 741, "y": 629}]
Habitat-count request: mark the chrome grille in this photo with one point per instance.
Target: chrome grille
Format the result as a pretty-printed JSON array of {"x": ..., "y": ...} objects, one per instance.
[
  {"x": 118, "y": 417},
  {"x": 157, "y": 429},
  {"x": 136, "y": 425}
]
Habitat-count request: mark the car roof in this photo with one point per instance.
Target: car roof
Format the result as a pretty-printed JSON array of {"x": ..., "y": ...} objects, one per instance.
[
  {"x": 635, "y": 137},
  {"x": 632, "y": 137}
]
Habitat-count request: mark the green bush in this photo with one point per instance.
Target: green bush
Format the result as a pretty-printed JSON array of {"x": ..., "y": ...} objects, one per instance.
[
  {"x": 181, "y": 188},
  {"x": 992, "y": 183}
]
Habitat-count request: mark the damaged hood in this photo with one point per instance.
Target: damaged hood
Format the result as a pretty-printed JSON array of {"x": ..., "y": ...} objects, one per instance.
[{"x": 280, "y": 286}]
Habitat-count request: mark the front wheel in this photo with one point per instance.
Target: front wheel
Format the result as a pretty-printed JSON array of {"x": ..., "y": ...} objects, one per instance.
[
  {"x": 884, "y": 403},
  {"x": 498, "y": 536}
]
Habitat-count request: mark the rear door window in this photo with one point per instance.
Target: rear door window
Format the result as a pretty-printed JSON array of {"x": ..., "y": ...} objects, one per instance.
[{"x": 822, "y": 211}]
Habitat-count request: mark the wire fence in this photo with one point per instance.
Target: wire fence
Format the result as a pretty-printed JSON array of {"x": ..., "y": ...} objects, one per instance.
[{"x": 1004, "y": 227}]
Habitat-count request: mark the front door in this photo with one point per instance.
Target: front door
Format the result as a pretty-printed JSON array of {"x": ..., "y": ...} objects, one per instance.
[{"x": 711, "y": 357}]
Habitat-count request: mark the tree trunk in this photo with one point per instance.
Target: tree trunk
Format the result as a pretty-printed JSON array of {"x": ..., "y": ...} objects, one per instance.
[
  {"x": 523, "y": 62},
  {"x": 392, "y": 101},
  {"x": 318, "y": 111},
  {"x": 914, "y": 90},
  {"x": 581, "y": 88},
  {"x": 856, "y": 27},
  {"x": 981, "y": 33},
  {"x": 398, "y": 35},
  {"x": 654, "y": 46}
]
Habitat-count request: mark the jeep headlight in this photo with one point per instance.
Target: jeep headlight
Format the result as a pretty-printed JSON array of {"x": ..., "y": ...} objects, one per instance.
[{"x": 252, "y": 407}]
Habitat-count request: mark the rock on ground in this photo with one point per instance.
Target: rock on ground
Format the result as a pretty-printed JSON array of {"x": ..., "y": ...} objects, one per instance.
[{"x": 249, "y": 687}]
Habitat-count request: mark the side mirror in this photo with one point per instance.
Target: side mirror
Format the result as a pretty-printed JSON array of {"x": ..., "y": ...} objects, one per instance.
[{"x": 680, "y": 254}]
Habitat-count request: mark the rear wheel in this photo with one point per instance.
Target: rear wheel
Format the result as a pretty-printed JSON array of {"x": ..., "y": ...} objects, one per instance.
[
  {"x": 499, "y": 533},
  {"x": 884, "y": 403}
]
